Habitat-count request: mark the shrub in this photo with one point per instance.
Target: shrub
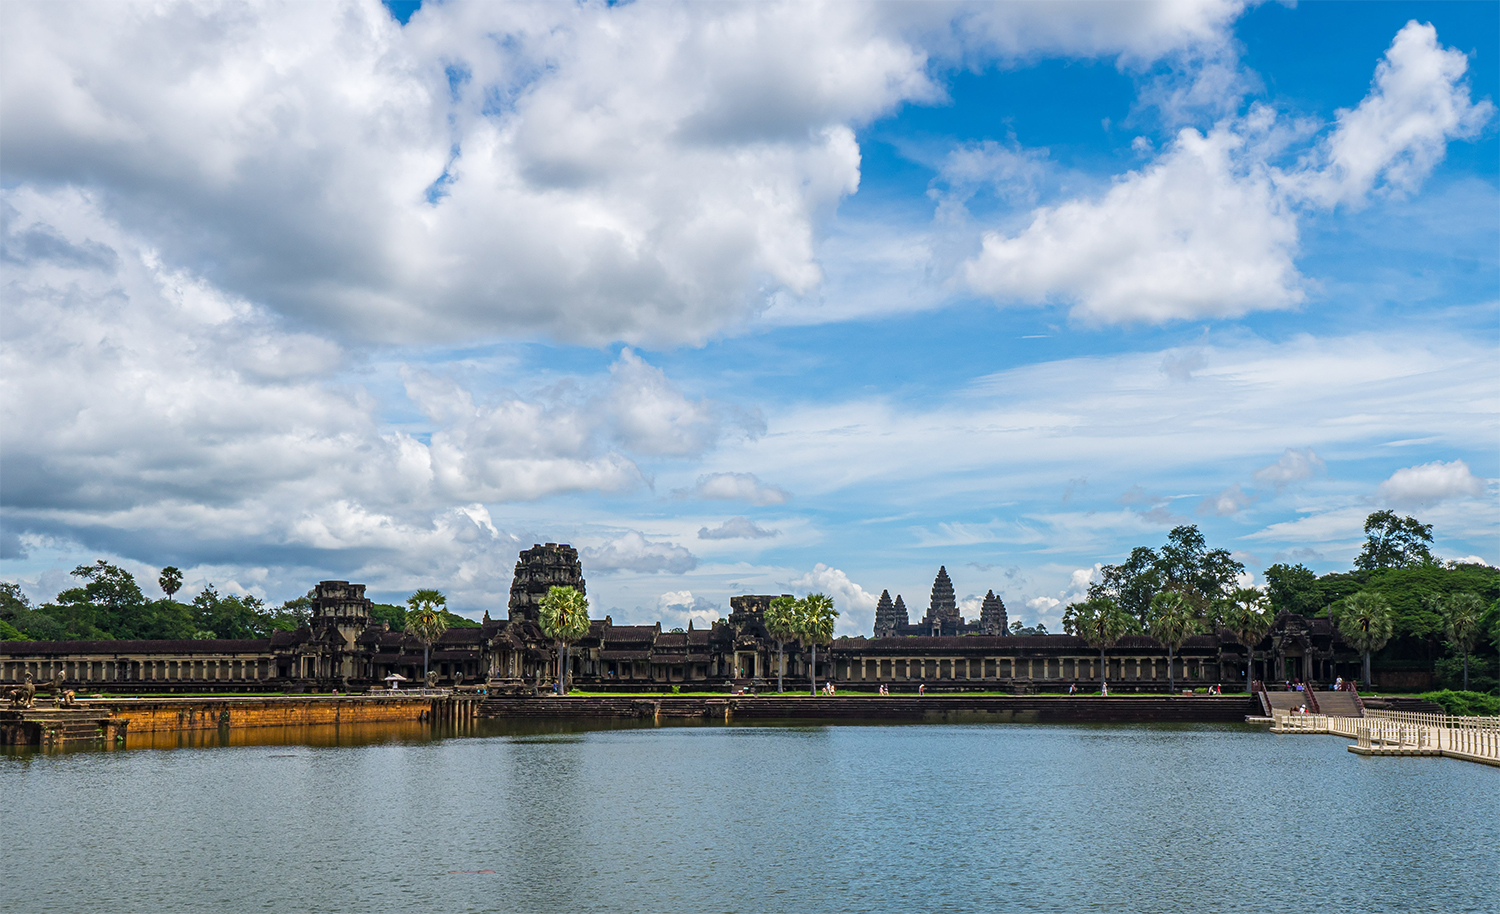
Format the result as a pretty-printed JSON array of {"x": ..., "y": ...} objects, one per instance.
[{"x": 1464, "y": 704}]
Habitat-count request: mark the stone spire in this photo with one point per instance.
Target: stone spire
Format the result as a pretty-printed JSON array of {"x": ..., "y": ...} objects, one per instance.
[
  {"x": 942, "y": 611},
  {"x": 539, "y": 570},
  {"x": 899, "y": 613},
  {"x": 885, "y": 616},
  {"x": 992, "y": 619}
]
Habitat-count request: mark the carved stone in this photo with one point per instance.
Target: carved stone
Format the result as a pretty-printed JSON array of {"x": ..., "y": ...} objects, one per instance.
[
  {"x": 539, "y": 569},
  {"x": 992, "y": 617}
]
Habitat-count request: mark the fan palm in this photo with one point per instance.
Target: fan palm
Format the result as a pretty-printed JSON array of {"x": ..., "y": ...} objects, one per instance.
[
  {"x": 815, "y": 620},
  {"x": 170, "y": 580},
  {"x": 1365, "y": 621},
  {"x": 1461, "y": 614},
  {"x": 1171, "y": 621},
  {"x": 564, "y": 619},
  {"x": 781, "y": 624},
  {"x": 1249, "y": 617},
  {"x": 1101, "y": 623},
  {"x": 425, "y": 619}
]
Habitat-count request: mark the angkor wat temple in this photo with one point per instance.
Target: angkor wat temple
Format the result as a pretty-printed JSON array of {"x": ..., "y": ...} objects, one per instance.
[{"x": 341, "y": 647}]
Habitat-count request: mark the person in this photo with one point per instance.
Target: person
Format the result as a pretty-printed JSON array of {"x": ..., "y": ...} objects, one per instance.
[
  {"x": 922, "y": 689},
  {"x": 1073, "y": 688},
  {"x": 1338, "y": 684},
  {"x": 1105, "y": 689}
]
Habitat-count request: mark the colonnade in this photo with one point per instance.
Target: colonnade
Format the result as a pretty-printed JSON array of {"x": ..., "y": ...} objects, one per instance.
[
  {"x": 141, "y": 669},
  {"x": 896, "y": 669}
]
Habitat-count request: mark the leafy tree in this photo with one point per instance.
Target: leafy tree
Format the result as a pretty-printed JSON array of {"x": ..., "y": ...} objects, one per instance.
[
  {"x": 1293, "y": 589},
  {"x": 1394, "y": 542},
  {"x": 389, "y": 614},
  {"x": 294, "y": 613},
  {"x": 1462, "y": 614},
  {"x": 230, "y": 616},
  {"x": 1101, "y": 624},
  {"x": 9, "y": 632},
  {"x": 1171, "y": 622},
  {"x": 1364, "y": 620},
  {"x": 105, "y": 607},
  {"x": 1185, "y": 564},
  {"x": 170, "y": 580},
  {"x": 425, "y": 620},
  {"x": 815, "y": 620},
  {"x": 564, "y": 619},
  {"x": 1249, "y": 618},
  {"x": 781, "y": 624}
]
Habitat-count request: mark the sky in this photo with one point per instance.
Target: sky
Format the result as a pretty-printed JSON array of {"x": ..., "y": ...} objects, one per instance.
[{"x": 766, "y": 298}]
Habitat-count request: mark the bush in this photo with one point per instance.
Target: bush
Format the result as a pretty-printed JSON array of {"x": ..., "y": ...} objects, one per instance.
[
  {"x": 1464, "y": 704},
  {"x": 1448, "y": 673}
]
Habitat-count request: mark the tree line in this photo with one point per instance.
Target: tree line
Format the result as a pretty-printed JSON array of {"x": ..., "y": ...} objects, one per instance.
[
  {"x": 1398, "y": 605},
  {"x": 108, "y": 605}
]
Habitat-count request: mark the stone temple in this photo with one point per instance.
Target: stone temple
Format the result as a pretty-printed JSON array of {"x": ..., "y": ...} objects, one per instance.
[{"x": 538, "y": 570}]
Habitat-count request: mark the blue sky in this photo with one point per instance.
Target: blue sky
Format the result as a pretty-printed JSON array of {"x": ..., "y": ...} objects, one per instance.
[{"x": 743, "y": 298}]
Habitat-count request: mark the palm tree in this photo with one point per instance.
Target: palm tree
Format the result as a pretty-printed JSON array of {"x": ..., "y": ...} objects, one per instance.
[
  {"x": 781, "y": 624},
  {"x": 1101, "y": 623},
  {"x": 1249, "y": 618},
  {"x": 1171, "y": 621},
  {"x": 1461, "y": 615},
  {"x": 170, "y": 580},
  {"x": 425, "y": 619},
  {"x": 564, "y": 619},
  {"x": 1364, "y": 619},
  {"x": 815, "y": 620}
]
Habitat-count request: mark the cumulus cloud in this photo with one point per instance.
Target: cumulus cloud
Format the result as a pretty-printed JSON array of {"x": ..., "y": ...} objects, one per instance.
[
  {"x": 631, "y": 551},
  {"x": 1430, "y": 483},
  {"x": 745, "y": 487},
  {"x": 679, "y": 607},
  {"x": 856, "y": 606},
  {"x": 1209, "y": 229},
  {"x": 1229, "y": 502},
  {"x": 1294, "y": 465},
  {"x": 1392, "y": 140},
  {"x": 736, "y": 528}
]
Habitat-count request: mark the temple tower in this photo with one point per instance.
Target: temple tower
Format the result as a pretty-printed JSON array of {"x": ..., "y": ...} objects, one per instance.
[
  {"x": 992, "y": 619},
  {"x": 900, "y": 615},
  {"x": 342, "y": 606},
  {"x": 942, "y": 609},
  {"x": 885, "y": 616},
  {"x": 539, "y": 569}
]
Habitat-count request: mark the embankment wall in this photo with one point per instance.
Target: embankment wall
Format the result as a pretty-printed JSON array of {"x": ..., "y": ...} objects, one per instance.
[
  {"x": 894, "y": 708},
  {"x": 149, "y": 715}
]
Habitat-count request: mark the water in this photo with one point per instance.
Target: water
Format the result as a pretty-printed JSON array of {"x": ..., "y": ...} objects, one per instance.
[{"x": 1192, "y": 818}]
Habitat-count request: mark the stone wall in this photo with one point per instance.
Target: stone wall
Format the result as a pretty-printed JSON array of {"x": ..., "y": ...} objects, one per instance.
[{"x": 160, "y": 714}]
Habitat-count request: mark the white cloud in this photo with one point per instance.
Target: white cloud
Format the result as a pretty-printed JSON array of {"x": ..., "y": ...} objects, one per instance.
[
  {"x": 1229, "y": 502},
  {"x": 1209, "y": 229},
  {"x": 1294, "y": 465},
  {"x": 589, "y": 172},
  {"x": 745, "y": 487},
  {"x": 677, "y": 608},
  {"x": 1199, "y": 233},
  {"x": 1430, "y": 483},
  {"x": 856, "y": 606},
  {"x": 736, "y": 528},
  {"x": 631, "y": 551},
  {"x": 1395, "y": 136}
]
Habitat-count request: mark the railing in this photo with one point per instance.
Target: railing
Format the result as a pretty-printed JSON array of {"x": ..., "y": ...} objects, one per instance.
[
  {"x": 407, "y": 693},
  {"x": 1428, "y": 719}
]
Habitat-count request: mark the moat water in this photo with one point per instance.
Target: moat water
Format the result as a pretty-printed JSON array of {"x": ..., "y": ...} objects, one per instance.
[{"x": 916, "y": 818}]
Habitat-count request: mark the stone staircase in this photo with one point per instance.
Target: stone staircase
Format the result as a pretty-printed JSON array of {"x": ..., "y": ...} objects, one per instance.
[
  {"x": 58, "y": 726},
  {"x": 1340, "y": 704}
]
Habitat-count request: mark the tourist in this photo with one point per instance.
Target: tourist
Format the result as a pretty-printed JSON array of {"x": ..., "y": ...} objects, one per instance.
[
  {"x": 1338, "y": 684},
  {"x": 1072, "y": 688},
  {"x": 922, "y": 689},
  {"x": 1104, "y": 689}
]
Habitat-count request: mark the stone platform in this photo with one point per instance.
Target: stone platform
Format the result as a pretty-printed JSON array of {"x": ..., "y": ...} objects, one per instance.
[{"x": 59, "y": 726}]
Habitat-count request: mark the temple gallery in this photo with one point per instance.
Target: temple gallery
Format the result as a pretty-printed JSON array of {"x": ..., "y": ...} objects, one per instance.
[{"x": 342, "y": 647}]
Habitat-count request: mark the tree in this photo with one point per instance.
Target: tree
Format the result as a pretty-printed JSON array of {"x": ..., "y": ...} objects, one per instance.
[
  {"x": 1293, "y": 589},
  {"x": 1171, "y": 622},
  {"x": 1394, "y": 542},
  {"x": 1185, "y": 564},
  {"x": 1133, "y": 583},
  {"x": 1364, "y": 620},
  {"x": 564, "y": 619},
  {"x": 426, "y": 621},
  {"x": 1249, "y": 617},
  {"x": 231, "y": 616},
  {"x": 1101, "y": 624},
  {"x": 170, "y": 580},
  {"x": 815, "y": 620},
  {"x": 1462, "y": 614},
  {"x": 781, "y": 625}
]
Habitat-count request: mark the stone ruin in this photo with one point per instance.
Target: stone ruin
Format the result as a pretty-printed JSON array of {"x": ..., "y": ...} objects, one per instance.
[{"x": 541, "y": 568}]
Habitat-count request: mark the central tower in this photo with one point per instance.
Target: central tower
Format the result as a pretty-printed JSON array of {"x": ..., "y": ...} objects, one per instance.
[{"x": 540, "y": 569}]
